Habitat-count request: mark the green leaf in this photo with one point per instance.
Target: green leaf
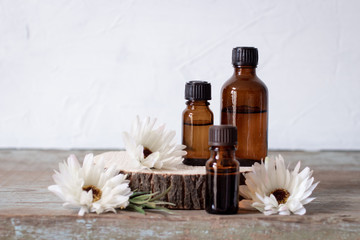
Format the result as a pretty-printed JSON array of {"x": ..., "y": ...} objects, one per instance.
[
  {"x": 150, "y": 205},
  {"x": 163, "y": 203},
  {"x": 162, "y": 194},
  {"x": 136, "y": 208},
  {"x": 163, "y": 209},
  {"x": 135, "y": 193},
  {"x": 142, "y": 197},
  {"x": 144, "y": 200}
]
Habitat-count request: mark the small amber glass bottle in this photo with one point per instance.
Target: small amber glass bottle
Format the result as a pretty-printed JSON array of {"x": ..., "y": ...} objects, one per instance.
[
  {"x": 222, "y": 172},
  {"x": 197, "y": 118},
  {"x": 245, "y": 105}
]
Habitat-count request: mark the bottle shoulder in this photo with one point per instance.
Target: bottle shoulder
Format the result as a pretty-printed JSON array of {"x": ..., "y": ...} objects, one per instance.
[
  {"x": 224, "y": 164},
  {"x": 237, "y": 92},
  {"x": 202, "y": 115},
  {"x": 244, "y": 83},
  {"x": 197, "y": 110}
]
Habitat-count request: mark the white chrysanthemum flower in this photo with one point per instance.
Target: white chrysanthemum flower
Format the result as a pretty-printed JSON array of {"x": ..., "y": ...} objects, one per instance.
[
  {"x": 90, "y": 187},
  {"x": 152, "y": 148},
  {"x": 271, "y": 188}
]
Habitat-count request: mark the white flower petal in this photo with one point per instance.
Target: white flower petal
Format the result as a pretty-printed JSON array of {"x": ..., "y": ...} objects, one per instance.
[
  {"x": 307, "y": 200},
  {"x": 272, "y": 175},
  {"x": 151, "y": 160},
  {"x": 246, "y": 204},
  {"x": 164, "y": 153},
  {"x": 284, "y": 212},
  {"x": 71, "y": 178},
  {"x": 309, "y": 191},
  {"x": 258, "y": 206},
  {"x": 283, "y": 207},
  {"x": 300, "y": 211},
  {"x": 244, "y": 191},
  {"x": 270, "y": 212},
  {"x": 83, "y": 210},
  {"x": 56, "y": 189}
]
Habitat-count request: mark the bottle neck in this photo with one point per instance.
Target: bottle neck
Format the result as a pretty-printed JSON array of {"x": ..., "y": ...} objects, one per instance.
[
  {"x": 223, "y": 153},
  {"x": 199, "y": 103},
  {"x": 245, "y": 70}
]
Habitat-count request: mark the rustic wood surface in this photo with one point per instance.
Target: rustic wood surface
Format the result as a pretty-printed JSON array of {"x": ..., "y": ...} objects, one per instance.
[
  {"x": 187, "y": 182},
  {"x": 29, "y": 211}
]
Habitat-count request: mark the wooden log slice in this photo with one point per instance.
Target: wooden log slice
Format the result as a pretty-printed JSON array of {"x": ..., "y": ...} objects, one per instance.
[{"x": 187, "y": 182}]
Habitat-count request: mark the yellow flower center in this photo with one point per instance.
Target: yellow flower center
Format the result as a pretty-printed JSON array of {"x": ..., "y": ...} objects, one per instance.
[
  {"x": 95, "y": 191},
  {"x": 281, "y": 195},
  {"x": 147, "y": 152}
]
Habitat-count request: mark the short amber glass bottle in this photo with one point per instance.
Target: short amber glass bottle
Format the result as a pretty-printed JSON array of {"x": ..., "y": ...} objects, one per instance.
[
  {"x": 245, "y": 105},
  {"x": 222, "y": 172},
  {"x": 197, "y": 118}
]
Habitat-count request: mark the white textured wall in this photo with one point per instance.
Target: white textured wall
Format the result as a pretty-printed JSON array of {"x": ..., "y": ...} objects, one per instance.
[{"x": 74, "y": 74}]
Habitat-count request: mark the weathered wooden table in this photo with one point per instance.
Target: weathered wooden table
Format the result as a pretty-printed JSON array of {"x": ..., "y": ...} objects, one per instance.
[{"x": 29, "y": 211}]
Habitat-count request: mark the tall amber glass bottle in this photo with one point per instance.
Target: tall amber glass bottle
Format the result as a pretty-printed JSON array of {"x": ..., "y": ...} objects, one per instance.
[
  {"x": 222, "y": 172},
  {"x": 245, "y": 105},
  {"x": 197, "y": 118}
]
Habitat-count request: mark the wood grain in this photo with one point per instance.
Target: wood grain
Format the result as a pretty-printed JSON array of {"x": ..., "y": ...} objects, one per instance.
[
  {"x": 187, "y": 182},
  {"x": 29, "y": 211}
]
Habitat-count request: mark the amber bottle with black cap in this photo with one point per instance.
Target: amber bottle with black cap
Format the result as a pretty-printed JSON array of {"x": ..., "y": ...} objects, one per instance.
[
  {"x": 222, "y": 171},
  {"x": 245, "y": 105},
  {"x": 197, "y": 118}
]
